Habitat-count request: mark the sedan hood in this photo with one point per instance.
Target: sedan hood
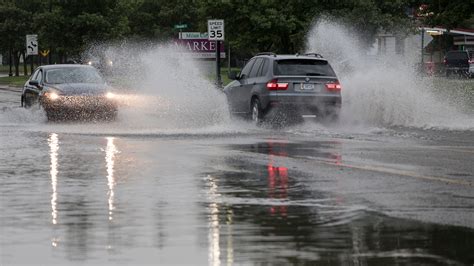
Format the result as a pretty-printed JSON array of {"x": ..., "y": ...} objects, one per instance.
[{"x": 80, "y": 88}]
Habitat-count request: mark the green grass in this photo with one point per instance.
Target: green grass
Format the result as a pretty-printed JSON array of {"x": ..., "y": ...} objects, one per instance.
[
  {"x": 224, "y": 78},
  {"x": 13, "y": 81},
  {"x": 6, "y": 68},
  {"x": 224, "y": 72}
]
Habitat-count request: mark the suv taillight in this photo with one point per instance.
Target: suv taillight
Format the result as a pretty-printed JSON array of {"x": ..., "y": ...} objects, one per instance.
[
  {"x": 333, "y": 86},
  {"x": 274, "y": 85}
]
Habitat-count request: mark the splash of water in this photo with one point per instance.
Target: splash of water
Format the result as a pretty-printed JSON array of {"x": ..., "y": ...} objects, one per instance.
[
  {"x": 161, "y": 89},
  {"x": 386, "y": 90},
  {"x": 14, "y": 115},
  {"x": 165, "y": 89}
]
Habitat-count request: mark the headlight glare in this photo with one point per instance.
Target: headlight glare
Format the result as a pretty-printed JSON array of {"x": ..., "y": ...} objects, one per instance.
[
  {"x": 52, "y": 95},
  {"x": 110, "y": 95}
]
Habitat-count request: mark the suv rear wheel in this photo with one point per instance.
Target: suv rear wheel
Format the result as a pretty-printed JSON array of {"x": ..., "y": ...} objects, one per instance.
[{"x": 256, "y": 112}]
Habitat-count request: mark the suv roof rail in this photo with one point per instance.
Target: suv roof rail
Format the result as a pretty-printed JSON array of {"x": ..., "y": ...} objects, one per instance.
[
  {"x": 266, "y": 53},
  {"x": 314, "y": 54}
]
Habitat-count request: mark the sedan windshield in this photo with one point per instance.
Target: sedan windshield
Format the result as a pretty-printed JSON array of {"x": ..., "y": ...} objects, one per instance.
[
  {"x": 73, "y": 75},
  {"x": 303, "y": 67}
]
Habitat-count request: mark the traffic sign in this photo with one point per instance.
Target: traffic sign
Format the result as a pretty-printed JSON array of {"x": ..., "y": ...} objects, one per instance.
[
  {"x": 44, "y": 53},
  {"x": 192, "y": 35},
  {"x": 215, "y": 29},
  {"x": 32, "y": 44},
  {"x": 180, "y": 26}
]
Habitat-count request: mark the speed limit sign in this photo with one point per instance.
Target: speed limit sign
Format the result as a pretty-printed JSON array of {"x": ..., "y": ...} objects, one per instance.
[{"x": 215, "y": 29}]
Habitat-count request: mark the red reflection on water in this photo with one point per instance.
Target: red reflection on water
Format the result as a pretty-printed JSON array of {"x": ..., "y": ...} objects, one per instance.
[
  {"x": 277, "y": 178},
  {"x": 335, "y": 158},
  {"x": 278, "y": 174}
]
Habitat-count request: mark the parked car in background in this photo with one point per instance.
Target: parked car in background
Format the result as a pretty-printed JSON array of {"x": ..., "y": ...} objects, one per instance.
[
  {"x": 285, "y": 87},
  {"x": 458, "y": 62},
  {"x": 69, "y": 91}
]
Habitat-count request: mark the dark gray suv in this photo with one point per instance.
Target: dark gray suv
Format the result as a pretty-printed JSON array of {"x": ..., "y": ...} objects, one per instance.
[{"x": 292, "y": 86}]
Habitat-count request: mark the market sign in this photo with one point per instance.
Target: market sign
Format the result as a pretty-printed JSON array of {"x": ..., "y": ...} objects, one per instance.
[{"x": 198, "y": 44}]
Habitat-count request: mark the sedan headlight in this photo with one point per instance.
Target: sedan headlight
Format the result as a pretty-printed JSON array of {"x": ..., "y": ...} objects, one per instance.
[
  {"x": 52, "y": 95},
  {"x": 110, "y": 95}
]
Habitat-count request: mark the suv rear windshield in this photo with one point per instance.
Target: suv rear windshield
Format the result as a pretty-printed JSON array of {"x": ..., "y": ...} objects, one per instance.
[
  {"x": 303, "y": 67},
  {"x": 457, "y": 55}
]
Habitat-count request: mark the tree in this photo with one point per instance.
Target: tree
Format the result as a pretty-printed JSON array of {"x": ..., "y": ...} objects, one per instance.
[
  {"x": 448, "y": 13},
  {"x": 68, "y": 27},
  {"x": 261, "y": 25},
  {"x": 269, "y": 25},
  {"x": 83, "y": 22},
  {"x": 15, "y": 23},
  {"x": 368, "y": 17},
  {"x": 155, "y": 19}
]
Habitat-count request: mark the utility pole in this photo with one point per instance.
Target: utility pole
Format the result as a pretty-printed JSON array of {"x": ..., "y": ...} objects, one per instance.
[{"x": 31, "y": 62}]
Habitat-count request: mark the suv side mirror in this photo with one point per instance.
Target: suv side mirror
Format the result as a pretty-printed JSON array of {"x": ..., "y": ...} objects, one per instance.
[
  {"x": 34, "y": 83},
  {"x": 233, "y": 75}
]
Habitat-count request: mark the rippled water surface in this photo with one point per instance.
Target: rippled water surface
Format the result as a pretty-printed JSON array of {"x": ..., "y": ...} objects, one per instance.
[{"x": 103, "y": 199}]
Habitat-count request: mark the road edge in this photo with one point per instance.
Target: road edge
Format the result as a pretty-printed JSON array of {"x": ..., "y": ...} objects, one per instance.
[{"x": 10, "y": 88}]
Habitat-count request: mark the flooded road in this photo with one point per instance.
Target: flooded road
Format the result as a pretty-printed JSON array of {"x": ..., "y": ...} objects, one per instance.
[{"x": 96, "y": 194}]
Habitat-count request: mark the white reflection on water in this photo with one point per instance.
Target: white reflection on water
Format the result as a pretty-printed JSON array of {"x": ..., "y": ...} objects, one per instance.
[
  {"x": 215, "y": 226},
  {"x": 214, "y": 249},
  {"x": 110, "y": 152},
  {"x": 53, "y": 153},
  {"x": 230, "y": 242}
]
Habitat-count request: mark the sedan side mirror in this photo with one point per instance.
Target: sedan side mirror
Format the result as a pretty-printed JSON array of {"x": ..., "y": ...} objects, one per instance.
[
  {"x": 233, "y": 75},
  {"x": 34, "y": 83}
]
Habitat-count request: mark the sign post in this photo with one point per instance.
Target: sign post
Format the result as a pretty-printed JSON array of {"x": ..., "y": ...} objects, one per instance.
[
  {"x": 180, "y": 27},
  {"x": 215, "y": 31},
  {"x": 31, "y": 47}
]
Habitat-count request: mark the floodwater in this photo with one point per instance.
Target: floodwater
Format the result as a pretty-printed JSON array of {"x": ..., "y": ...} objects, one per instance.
[{"x": 262, "y": 197}]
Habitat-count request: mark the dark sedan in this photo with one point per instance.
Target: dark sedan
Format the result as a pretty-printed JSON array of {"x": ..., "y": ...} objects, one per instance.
[{"x": 70, "y": 92}]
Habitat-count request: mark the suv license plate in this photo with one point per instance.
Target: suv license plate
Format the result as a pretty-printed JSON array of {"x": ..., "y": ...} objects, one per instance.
[{"x": 307, "y": 86}]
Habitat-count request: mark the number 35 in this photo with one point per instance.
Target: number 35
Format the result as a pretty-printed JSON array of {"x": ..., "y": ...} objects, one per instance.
[{"x": 216, "y": 34}]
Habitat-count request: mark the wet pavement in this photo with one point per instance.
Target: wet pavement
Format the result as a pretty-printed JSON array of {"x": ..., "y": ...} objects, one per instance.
[{"x": 88, "y": 194}]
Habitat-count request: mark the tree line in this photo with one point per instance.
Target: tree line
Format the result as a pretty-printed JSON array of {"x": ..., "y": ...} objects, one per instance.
[{"x": 68, "y": 27}]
